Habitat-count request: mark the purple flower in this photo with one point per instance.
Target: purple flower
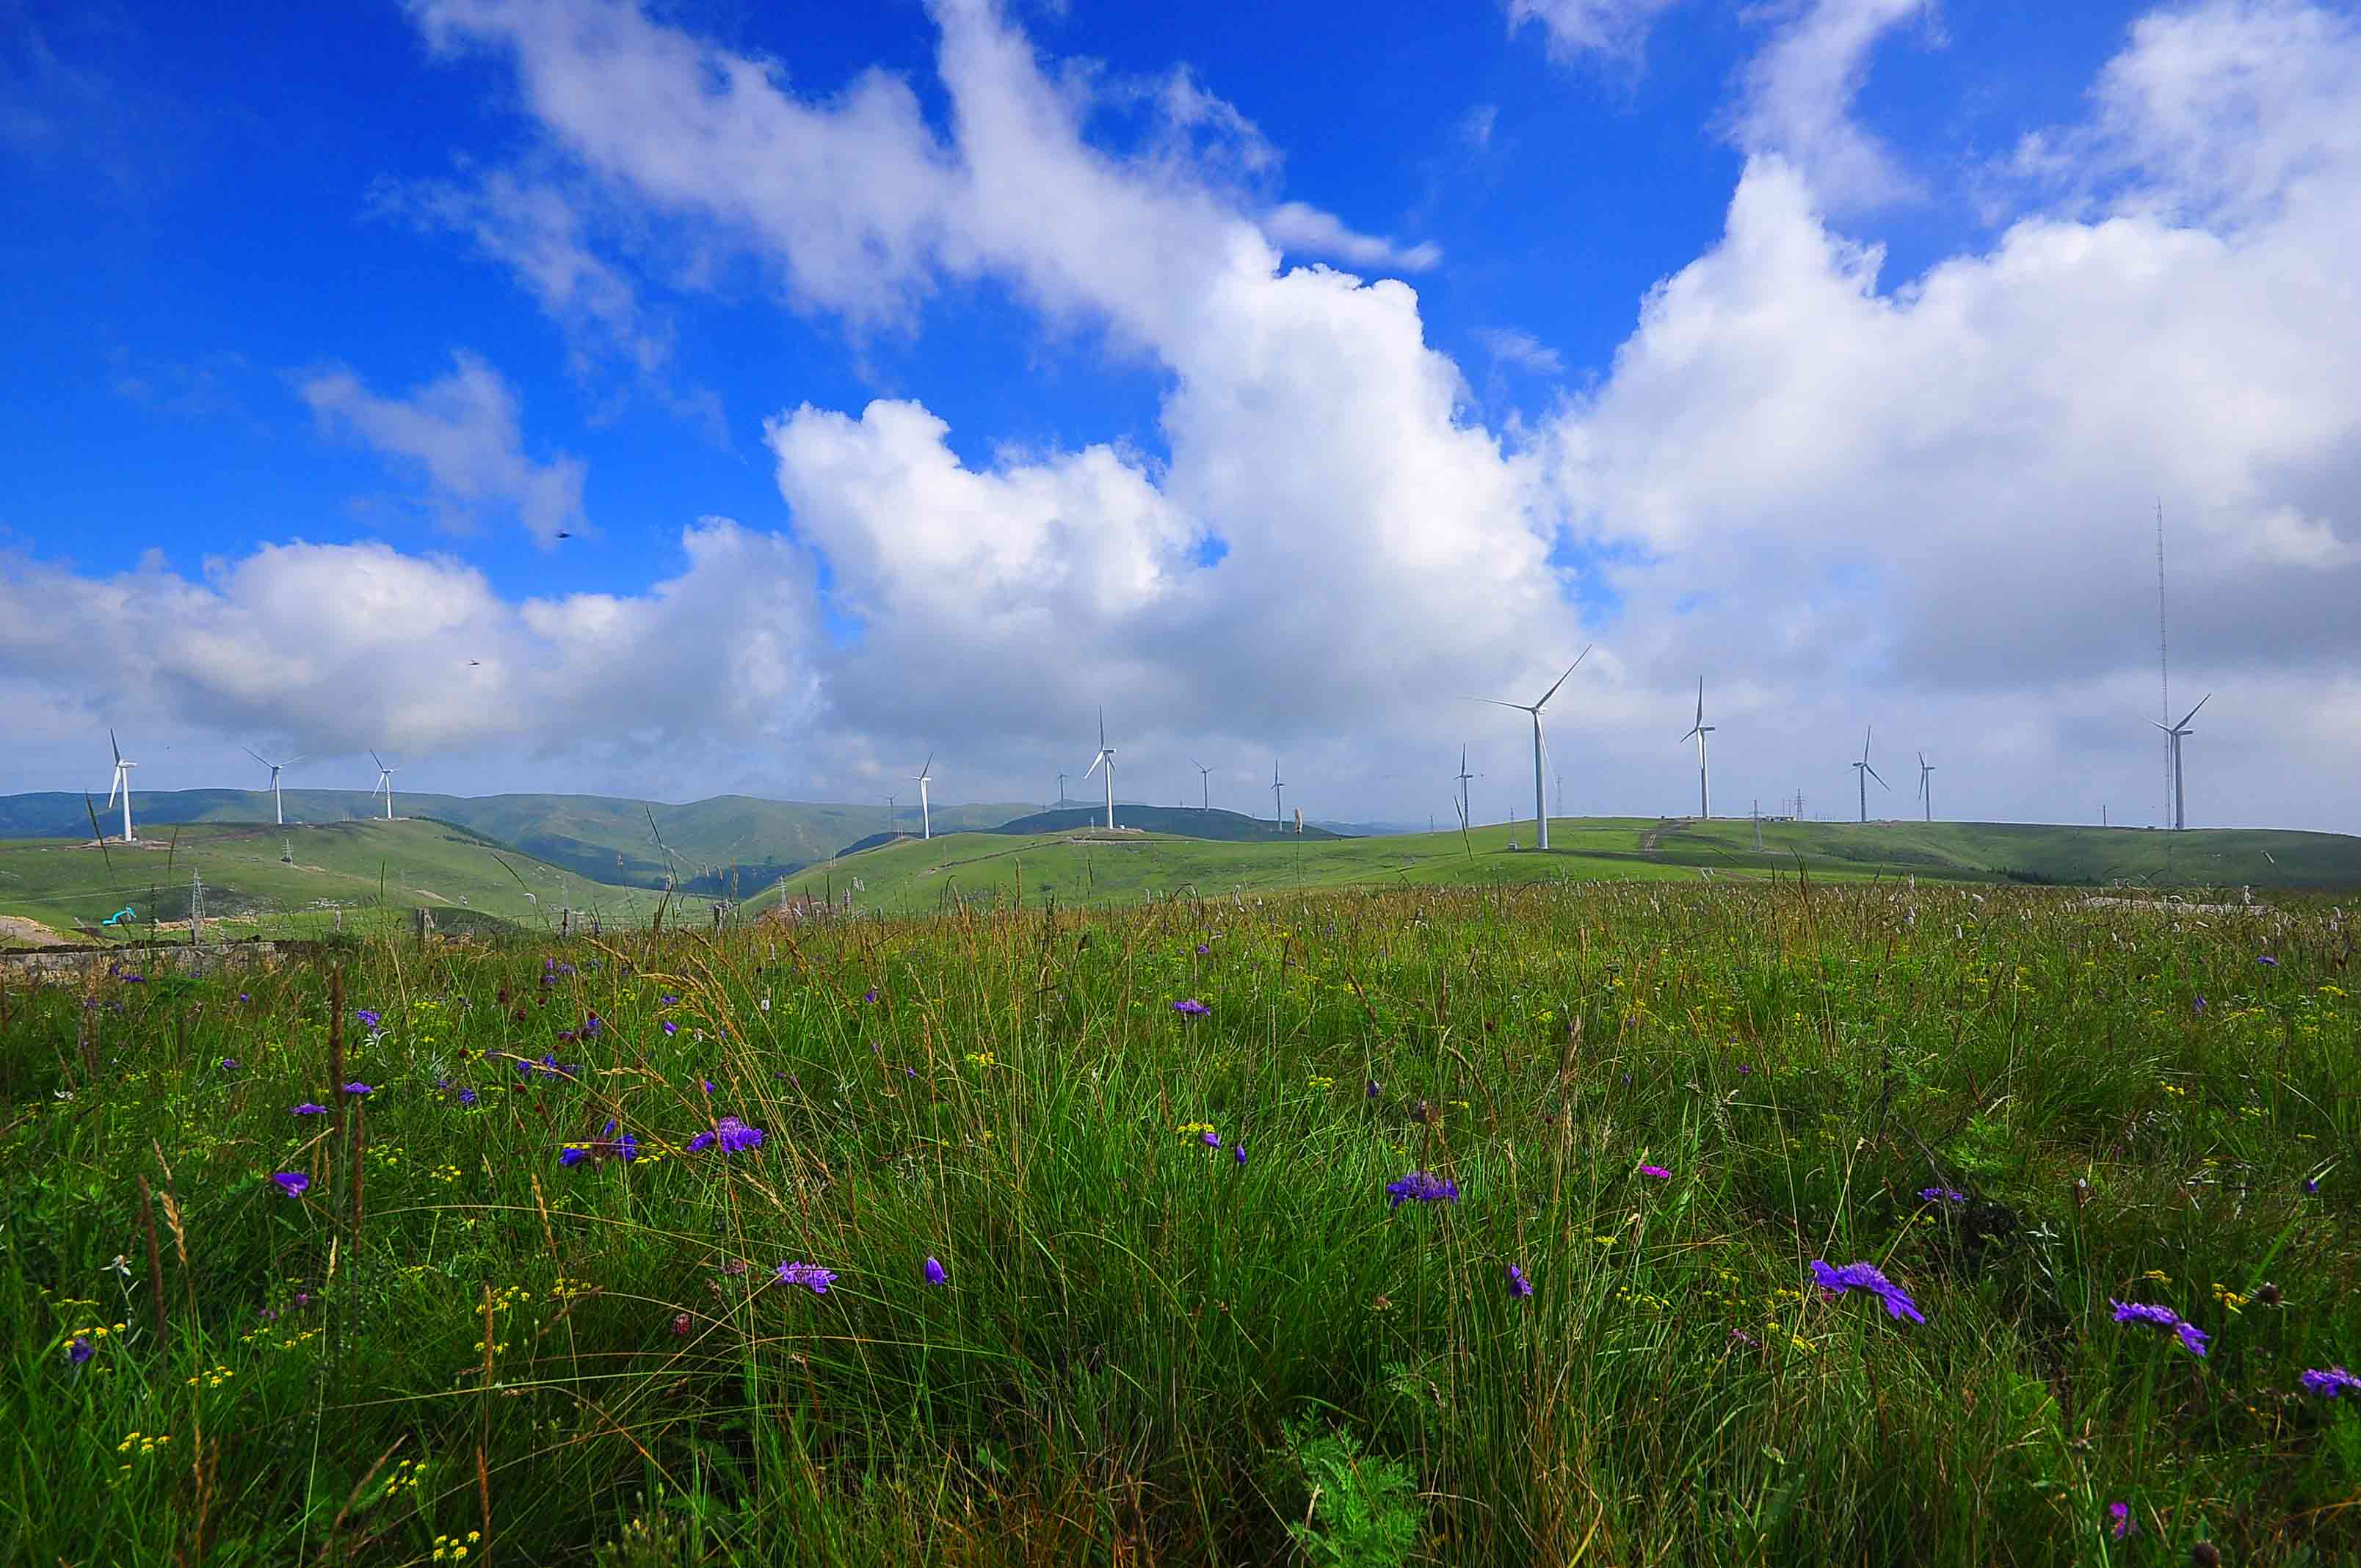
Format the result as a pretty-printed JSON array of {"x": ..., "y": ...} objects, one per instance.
[
  {"x": 2125, "y": 1524},
  {"x": 2311, "y": 1187},
  {"x": 358, "y": 1087},
  {"x": 367, "y": 1017},
  {"x": 1239, "y": 1151},
  {"x": 666, "y": 1001},
  {"x": 572, "y": 1154},
  {"x": 1866, "y": 1276},
  {"x": 1421, "y": 1187},
  {"x": 80, "y": 1350},
  {"x": 670, "y": 1027},
  {"x": 734, "y": 1136},
  {"x": 708, "y": 1083},
  {"x": 591, "y": 1025},
  {"x": 1373, "y": 1091},
  {"x": 308, "y": 1109},
  {"x": 810, "y": 1275},
  {"x": 1739, "y": 1336},
  {"x": 934, "y": 1272},
  {"x": 2200, "y": 1005},
  {"x": 1658, "y": 1171},
  {"x": 2266, "y": 958},
  {"x": 1941, "y": 1195},
  {"x": 467, "y": 1097},
  {"x": 292, "y": 1182},
  {"x": 2331, "y": 1382},
  {"x": 1203, "y": 949},
  {"x": 1744, "y": 1071},
  {"x": 2163, "y": 1320},
  {"x": 242, "y": 996},
  {"x": 1213, "y": 1140},
  {"x": 229, "y": 1064},
  {"x": 869, "y": 995},
  {"x": 1189, "y": 1007},
  {"x": 1519, "y": 1286}
]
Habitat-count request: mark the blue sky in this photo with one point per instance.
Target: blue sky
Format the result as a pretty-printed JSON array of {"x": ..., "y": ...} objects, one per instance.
[{"x": 419, "y": 285}]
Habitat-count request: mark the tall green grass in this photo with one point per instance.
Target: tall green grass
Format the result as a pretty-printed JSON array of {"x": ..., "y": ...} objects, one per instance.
[{"x": 1147, "y": 1351}]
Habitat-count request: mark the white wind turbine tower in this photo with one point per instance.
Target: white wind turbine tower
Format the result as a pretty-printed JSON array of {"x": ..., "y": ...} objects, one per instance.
[
  {"x": 1863, "y": 772},
  {"x": 1204, "y": 785},
  {"x": 1463, "y": 775},
  {"x": 1107, "y": 755},
  {"x": 1701, "y": 729},
  {"x": 384, "y": 784},
  {"x": 2175, "y": 733},
  {"x": 1277, "y": 813},
  {"x": 1926, "y": 788},
  {"x": 925, "y": 776},
  {"x": 278, "y": 809},
  {"x": 122, "y": 786},
  {"x": 1540, "y": 755}
]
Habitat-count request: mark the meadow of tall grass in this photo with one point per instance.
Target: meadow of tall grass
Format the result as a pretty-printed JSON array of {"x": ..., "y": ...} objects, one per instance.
[{"x": 1458, "y": 1227}]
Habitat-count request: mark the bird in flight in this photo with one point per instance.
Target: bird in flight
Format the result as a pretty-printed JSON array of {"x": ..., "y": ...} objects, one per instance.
[{"x": 563, "y": 535}]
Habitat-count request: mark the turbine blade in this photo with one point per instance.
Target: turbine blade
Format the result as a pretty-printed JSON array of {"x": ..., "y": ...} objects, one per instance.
[
  {"x": 1562, "y": 679},
  {"x": 1496, "y": 702},
  {"x": 256, "y": 755},
  {"x": 1864, "y": 741},
  {"x": 111, "y": 742},
  {"x": 1872, "y": 773},
  {"x": 1693, "y": 730},
  {"x": 1700, "y": 714},
  {"x": 1095, "y": 764},
  {"x": 2192, "y": 712},
  {"x": 378, "y": 759}
]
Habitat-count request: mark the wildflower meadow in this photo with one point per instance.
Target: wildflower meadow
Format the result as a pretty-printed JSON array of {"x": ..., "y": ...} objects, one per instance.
[{"x": 1617, "y": 1224}]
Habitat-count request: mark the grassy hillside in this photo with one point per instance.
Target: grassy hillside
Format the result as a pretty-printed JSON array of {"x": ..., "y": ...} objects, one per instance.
[
  {"x": 604, "y": 838},
  {"x": 1484, "y": 1228},
  {"x": 1076, "y": 868},
  {"x": 2214, "y": 857},
  {"x": 371, "y": 869},
  {"x": 1178, "y": 821}
]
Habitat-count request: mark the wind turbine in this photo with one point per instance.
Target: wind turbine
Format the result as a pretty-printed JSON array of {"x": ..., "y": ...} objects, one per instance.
[
  {"x": 1205, "y": 788},
  {"x": 1062, "y": 789},
  {"x": 1541, "y": 756},
  {"x": 1926, "y": 789},
  {"x": 1463, "y": 775},
  {"x": 2175, "y": 733},
  {"x": 122, "y": 786},
  {"x": 1863, "y": 772},
  {"x": 893, "y": 825},
  {"x": 924, "y": 777},
  {"x": 1276, "y": 815},
  {"x": 1701, "y": 729},
  {"x": 1107, "y": 755},
  {"x": 384, "y": 784},
  {"x": 278, "y": 809}
]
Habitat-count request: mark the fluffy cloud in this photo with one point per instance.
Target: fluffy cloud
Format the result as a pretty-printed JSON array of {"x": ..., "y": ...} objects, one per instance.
[
  {"x": 342, "y": 647},
  {"x": 1798, "y": 99},
  {"x": 1308, "y": 231},
  {"x": 1614, "y": 28},
  {"x": 462, "y": 433}
]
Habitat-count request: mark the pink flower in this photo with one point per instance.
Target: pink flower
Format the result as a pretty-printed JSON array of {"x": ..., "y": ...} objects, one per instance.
[{"x": 1658, "y": 1171}]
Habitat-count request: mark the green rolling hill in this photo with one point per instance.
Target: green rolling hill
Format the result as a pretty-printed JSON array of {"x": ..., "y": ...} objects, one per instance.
[
  {"x": 909, "y": 876},
  {"x": 1178, "y": 821},
  {"x": 376, "y": 871},
  {"x": 731, "y": 839}
]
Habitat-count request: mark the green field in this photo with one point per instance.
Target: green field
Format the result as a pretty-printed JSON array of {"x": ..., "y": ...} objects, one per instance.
[
  {"x": 913, "y": 877},
  {"x": 712, "y": 842},
  {"x": 371, "y": 869},
  {"x": 1179, "y": 1319}
]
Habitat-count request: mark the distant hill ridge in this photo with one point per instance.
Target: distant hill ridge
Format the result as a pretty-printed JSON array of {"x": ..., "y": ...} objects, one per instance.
[{"x": 1181, "y": 821}]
